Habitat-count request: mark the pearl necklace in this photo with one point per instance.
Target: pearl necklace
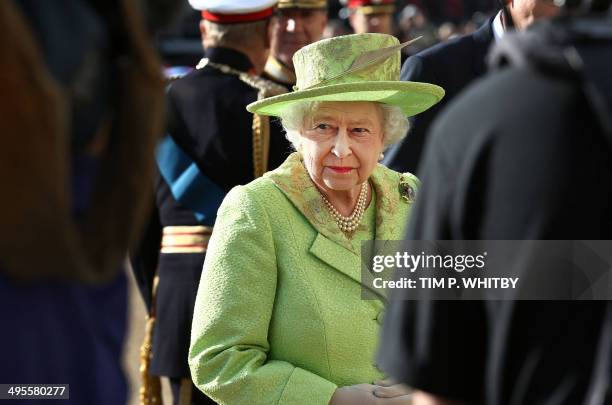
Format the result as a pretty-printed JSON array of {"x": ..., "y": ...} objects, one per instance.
[{"x": 349, "y": 224}]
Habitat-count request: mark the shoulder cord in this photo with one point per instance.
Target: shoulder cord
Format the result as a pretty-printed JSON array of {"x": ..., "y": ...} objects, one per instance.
[{"x": 261, "y": 124}]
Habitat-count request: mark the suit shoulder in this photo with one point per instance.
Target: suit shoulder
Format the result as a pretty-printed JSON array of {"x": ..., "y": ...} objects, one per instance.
[
  {"x": 448, "y": 49},
  {"x": 423, "y": 65},
  {"x": 451, "y": 63},
  {"x": 210, "y": 84}
]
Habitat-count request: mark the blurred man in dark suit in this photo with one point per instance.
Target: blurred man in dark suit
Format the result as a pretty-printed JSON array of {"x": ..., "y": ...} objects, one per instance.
[
  {"x": 455, "y": 64},
  {"x": 527, "y": 166},
  {"x": 212, "y": 144}
]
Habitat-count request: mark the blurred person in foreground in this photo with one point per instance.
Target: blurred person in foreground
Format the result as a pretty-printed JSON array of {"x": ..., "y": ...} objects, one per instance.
[
  {"x": 371, "y": 16},
  {"x": 534, "y": 168},
  {"x": 295, "y": 24},
  {"x": 455, "y": 64},
  {"x": 279, "y": 316},
  {"x": 81, "y": 110},
  {"x": 212, "y": 145}
]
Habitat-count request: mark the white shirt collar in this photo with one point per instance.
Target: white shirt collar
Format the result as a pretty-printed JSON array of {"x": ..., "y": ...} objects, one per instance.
[{"x": 498, "y": 27}]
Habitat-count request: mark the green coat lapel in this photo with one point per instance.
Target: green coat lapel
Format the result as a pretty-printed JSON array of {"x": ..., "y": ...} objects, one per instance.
[{"x": 336, "y": 256}]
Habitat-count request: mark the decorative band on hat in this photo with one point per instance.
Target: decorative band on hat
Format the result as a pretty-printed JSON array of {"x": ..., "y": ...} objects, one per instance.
[
  {"x": 379, "y": 9},
  {"x": 237, "y": 18},
  {"x": 369, "y": 3},
  {"x": 305, "y": 4}
]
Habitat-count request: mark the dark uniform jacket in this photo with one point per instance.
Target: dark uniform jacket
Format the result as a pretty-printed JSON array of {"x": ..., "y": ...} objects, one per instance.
[
  {"x": 452, "y": 65},
  {"x": 207, "y": 118},
  {"x": 535, "y": 166}
]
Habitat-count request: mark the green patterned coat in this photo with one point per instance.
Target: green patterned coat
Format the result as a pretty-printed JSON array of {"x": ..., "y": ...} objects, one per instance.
[{"x": 279, "y": 317}]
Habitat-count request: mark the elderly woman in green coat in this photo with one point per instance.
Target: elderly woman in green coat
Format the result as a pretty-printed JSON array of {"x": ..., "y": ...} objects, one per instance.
[{"x": 279, "y": 317}]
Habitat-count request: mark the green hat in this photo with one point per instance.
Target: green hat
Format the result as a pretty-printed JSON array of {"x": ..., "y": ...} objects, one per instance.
[{"x": 358, "y": 67}]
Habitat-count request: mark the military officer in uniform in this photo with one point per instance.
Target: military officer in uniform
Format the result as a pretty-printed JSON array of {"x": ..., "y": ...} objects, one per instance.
[
  {"x": 295, "y": 24},
  {"x": 212, "y": 144},
  {"x": 371, "y": 15}
]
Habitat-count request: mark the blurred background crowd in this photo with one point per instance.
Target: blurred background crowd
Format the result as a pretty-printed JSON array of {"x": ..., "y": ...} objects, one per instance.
[{"x": 433, "y": 20}]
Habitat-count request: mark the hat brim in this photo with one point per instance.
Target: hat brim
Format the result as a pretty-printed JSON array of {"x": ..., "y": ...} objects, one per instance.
[{"x": 412, "y": 97}]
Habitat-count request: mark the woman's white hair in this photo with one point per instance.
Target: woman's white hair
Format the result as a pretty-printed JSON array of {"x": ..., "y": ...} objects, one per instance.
[{"x": 395, "y": 123}]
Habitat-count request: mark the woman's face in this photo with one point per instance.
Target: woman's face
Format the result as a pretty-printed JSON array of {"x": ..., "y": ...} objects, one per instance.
[{"x": 341, "y": 143}]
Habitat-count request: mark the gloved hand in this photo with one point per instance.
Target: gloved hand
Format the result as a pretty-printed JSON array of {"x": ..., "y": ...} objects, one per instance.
[{"x": 363, "y": 394}]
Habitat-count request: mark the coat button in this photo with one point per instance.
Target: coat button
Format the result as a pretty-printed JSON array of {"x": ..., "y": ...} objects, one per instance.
[{"x": 380, "y": 317}]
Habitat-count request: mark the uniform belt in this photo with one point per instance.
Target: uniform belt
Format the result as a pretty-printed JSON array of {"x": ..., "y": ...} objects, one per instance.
[{"x": 185, "y": 239}]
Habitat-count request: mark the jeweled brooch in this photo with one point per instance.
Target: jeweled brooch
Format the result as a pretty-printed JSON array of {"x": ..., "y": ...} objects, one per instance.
[{"x": 406, "y": 190}]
